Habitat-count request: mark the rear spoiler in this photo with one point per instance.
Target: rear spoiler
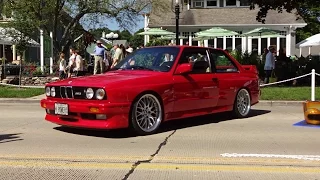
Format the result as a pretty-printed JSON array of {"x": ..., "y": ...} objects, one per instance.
[{"x": 251, "y": 68}]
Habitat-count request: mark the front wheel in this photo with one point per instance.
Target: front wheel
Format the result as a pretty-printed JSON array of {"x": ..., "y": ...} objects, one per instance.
[
  {"x": 242, "y": 104},
  {"x": 146, "y": 114}
]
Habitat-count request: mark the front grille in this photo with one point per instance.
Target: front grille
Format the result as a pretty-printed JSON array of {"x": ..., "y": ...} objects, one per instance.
[{"x": 69, "y": 92}]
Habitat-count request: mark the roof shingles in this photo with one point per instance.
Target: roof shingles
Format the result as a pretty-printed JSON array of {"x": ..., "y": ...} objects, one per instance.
[{"x": 221, "y": 16}]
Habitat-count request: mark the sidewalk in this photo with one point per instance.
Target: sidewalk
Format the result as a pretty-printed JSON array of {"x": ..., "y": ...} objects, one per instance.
[{"x": 37, "y": 99}]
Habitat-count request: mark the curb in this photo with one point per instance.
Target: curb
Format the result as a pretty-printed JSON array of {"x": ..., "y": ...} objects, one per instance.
[
  {"x": 280, "y": 103},
  {"x": 17, "y": 100},
  {"x": 22, "y": 86}
]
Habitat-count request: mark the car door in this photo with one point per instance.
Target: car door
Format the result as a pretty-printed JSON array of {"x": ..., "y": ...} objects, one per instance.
[
  {"x": 198, "y": 89},
  {"x": 227, "y": 73}
]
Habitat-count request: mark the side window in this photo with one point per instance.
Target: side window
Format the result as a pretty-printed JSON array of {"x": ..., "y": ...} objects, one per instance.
[
  {"x": 199, "y": 58},
  {"x": 222, "y": 63}
]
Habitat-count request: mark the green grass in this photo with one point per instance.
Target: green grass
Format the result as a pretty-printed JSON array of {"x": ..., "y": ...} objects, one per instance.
[
  {"x": 288, "y": 93},
  {"x": 16, "y": 92}
]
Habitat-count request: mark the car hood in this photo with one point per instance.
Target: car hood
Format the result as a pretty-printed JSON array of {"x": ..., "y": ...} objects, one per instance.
[{"x": 106, "y": 79}]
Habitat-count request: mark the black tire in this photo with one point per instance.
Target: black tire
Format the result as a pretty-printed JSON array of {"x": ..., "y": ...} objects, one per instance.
[
  {"x": 242, "y": 104},
  {"x": 147, "y": 109}
]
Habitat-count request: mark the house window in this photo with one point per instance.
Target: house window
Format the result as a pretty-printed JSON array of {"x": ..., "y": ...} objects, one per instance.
[
  {"x": 244, "y": 3},
  {"x": 211, "y": 3},
  {"x": 231, "y": 2},
  {"x": 198, "y": 3},
  {"x": 185, "y": 34}
]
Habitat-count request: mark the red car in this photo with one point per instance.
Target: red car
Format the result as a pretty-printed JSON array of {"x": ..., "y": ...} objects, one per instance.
[{"x": 153, "y": 85}]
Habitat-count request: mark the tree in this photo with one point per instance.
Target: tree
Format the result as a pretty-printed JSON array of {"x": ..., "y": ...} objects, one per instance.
[
  {"x": 20, "y": 35},
  {"x": 125, "y": 35},
  {"x": 309, "y": 10},
  {"x": 65, "y": 15},
  {"x": 137, "y": 40}
]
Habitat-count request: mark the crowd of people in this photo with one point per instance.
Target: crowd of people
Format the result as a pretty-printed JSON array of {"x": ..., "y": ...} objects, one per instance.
[{"x": 103, "y": 60}]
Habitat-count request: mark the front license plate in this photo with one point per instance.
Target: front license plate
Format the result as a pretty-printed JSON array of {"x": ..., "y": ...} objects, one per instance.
[{"x": 61, "y": 109}]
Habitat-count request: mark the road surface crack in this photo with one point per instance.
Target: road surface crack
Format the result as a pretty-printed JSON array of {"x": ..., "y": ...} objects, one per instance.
[{"x": 136, "y": 164}]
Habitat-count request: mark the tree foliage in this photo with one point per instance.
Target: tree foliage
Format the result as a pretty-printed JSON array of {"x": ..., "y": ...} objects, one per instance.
[
  {"x": 62, "y": 17},
  {"x": 309, "y": 10}
]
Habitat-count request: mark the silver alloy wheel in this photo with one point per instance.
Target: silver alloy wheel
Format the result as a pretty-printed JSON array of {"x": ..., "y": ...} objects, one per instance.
[
  {"x": 243, "y": 102},
  {"x": 148, "y": 113}
]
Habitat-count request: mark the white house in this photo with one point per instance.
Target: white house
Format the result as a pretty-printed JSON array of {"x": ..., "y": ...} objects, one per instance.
[{"x": 198, "y": 15}]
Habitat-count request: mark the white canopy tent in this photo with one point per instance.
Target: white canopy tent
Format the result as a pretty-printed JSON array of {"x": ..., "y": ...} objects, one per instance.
[{"x": 309, "y": 42}]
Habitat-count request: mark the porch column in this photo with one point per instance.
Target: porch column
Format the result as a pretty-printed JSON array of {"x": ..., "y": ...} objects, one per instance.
[
  {"x": 206, "y": 43},
  {"x": 181, "y": 41},
  {"x": 41, "y": 51},
  {"x": 268, "y": 42},
  {"x": 259, "y": 45},
  {"x": 14, "y": 52},
  {"x": 249, "y": 44},
  {"x": 51, "y": 53},
  {"x": 244, "y": 42},
  {"x": 233, "y": 43},
  {"x": 215, "y": 42},
  {"x": 199, "y": 43},
  {"x": 290, "y": 41},
  {"x": 190, "y": 38},
  {"x": 278, "y": 45},
  {"x": 224, "y": 42}
]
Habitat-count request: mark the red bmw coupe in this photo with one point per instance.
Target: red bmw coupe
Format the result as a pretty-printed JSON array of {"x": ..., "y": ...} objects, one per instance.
[{"x": 154, "y": 85}]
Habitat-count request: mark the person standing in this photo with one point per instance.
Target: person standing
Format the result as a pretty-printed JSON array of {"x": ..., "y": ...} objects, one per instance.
[
  {"x": 71, "y": 62},
  {"x": 269, "y": 64},
  {"x": 62, "y": 66},
  {"x": 99, "y": 58},
  {"x": 78, "y": 70},
  {"x": 118, "y": 56}
]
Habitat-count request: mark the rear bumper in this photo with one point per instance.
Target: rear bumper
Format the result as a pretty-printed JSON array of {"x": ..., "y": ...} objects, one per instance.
[{"x": 82, "y": 114}]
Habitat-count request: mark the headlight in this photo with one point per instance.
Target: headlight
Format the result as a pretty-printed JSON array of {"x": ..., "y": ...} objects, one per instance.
[
  {"x": 89, "y": 93},
  {"x": 100, "y": 93},
  {"x": 53, "y": 91},
  {"x": 48, "y": 91}
]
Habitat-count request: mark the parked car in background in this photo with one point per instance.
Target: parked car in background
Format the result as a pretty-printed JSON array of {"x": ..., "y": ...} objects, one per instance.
[{"x": 154, "y": 85}]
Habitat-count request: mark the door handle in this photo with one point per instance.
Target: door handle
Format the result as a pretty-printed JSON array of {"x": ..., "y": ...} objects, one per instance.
[{"x": 215, "y": 79}]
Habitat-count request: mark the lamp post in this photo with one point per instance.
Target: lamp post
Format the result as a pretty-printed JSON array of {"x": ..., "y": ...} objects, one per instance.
[
  {"x": 112, "y": 36},
  {"x": 176, "y": 9}
]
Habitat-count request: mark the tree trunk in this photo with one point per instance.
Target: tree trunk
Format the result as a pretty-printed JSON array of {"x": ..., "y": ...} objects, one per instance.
[{"x": 20, "y": 71}]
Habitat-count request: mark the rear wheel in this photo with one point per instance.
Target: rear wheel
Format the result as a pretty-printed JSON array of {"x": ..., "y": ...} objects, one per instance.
[
  {"x": 146, "y": 114},
  {"x": 242, "y": 104}
]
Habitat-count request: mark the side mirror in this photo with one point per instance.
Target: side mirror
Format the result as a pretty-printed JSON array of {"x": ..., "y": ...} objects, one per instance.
[{"x": 184, "y": 68}]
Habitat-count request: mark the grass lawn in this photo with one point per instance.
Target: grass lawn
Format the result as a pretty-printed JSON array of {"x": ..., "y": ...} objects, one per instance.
[
  {"x": 288, "y": 93},
  {"x": 15, "y": 92}
]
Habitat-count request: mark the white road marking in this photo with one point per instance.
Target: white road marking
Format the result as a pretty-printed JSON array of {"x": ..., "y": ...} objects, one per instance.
[{"x": 301, "y": 157}]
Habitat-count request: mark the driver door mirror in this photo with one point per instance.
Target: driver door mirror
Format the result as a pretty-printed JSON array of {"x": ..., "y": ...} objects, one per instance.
[{"x": 184, "y": 68}]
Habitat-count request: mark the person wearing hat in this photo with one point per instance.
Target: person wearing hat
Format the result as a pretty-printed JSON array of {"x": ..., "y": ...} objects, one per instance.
[{"x": 99, "y": 58}]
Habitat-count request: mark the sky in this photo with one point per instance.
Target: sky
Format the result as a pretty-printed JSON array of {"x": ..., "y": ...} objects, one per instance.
[{"x": 110, "y": 24}]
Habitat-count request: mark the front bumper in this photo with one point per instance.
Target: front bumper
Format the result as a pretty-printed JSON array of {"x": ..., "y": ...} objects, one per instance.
[{"x": 82, "y": 113}]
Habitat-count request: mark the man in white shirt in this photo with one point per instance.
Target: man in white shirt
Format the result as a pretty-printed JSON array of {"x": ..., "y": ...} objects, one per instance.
[
  {"x": 71, "y": 62},
  {"x": 269, "y": 64},
  {"x": 78, "y": 64}
]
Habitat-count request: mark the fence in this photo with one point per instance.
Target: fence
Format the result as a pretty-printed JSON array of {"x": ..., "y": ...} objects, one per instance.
[{"x": 313, "y": 82}]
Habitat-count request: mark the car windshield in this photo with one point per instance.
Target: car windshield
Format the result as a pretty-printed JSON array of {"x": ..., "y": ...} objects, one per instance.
[{"x": 153, "y": 59}]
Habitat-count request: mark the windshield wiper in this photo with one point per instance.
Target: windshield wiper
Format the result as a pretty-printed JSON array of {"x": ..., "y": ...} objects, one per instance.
[{"x": 140, "y": 67}]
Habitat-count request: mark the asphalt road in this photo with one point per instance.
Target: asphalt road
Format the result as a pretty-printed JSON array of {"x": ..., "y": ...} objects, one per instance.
[{"x": 264, "y": 146}]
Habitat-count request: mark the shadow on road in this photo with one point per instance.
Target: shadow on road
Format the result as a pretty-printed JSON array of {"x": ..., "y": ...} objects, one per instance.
[
  {"x": 5, "y": 138},
  {"x": 168, "y": 126}
]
